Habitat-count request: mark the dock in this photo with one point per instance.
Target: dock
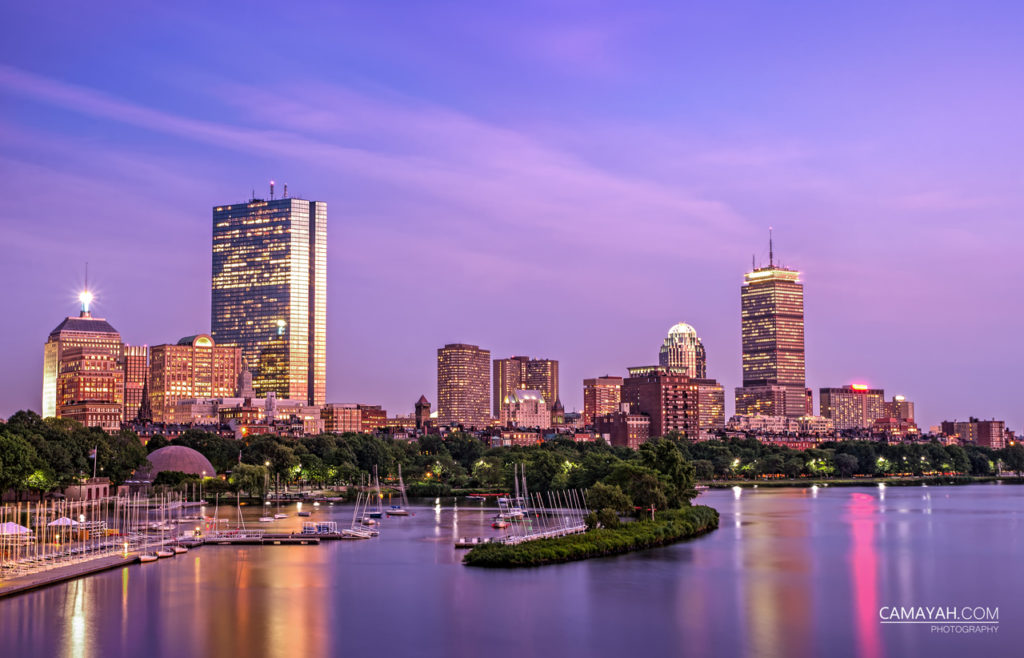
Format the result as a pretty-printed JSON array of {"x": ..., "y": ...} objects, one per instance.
[{"x": 29, "y": 582}]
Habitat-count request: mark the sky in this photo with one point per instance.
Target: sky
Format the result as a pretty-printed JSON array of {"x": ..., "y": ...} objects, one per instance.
[{"x": 557, "y": 179}]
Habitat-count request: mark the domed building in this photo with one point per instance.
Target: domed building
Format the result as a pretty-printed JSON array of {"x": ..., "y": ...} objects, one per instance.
[
  {"x": 175, "y": 458},
  {"x": 683, "y": 351}
]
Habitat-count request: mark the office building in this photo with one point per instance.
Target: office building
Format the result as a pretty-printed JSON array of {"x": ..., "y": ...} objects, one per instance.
[
  {"x": 522, "y": 372},
  {"x": 136, "y": 373},
  {"x": 194, "y": 367},
  {"x": 683, "y": 351},
  {"x": 342, "y": 418},
  {"x": 710, "y": 408},
  {"x": 269, "y": 292},
  {"x": 852, "y": 407},
  {"x": 79, "y": 360},
  {"x": 772, "y": 303},
  {"x": 601, "y": 396},
  {"x": 463, "y": 385}
]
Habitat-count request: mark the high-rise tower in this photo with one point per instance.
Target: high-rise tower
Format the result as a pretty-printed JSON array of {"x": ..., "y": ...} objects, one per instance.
[
  {"x": 683, "y": 351},
  {"x": 269, "y": 292},
  {"x": 463, "y": 385},
  {"x": 83, "y": 376},
  {"x": 772, "y": 302}
]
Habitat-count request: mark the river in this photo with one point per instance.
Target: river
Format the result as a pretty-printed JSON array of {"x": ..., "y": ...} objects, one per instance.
[{"x": 790, "y": 572}]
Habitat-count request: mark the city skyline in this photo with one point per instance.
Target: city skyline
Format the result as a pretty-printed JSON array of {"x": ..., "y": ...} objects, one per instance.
[{"x": 874, "y": 218}]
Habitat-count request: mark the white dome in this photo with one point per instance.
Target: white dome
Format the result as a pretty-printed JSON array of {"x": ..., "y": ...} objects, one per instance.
[{"x": 682, "y": 329}]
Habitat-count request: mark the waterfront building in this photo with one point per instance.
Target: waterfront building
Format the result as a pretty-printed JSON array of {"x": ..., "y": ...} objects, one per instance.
[
  {"x": 623, "y": 427},
  {"x": 772, "y": 303},
  {"x": 422, "y": 412},
  {"x": 136, "y": 373},
  {"x": 463, "y": 385},
  {"x": 852, "y": 407},
  {"x": 601, "y": 396},
  {"x": 194, "y": 367},
  {"x": 683, "y": 351},
  {"x": 894, "y": 428},
  {"x": 776, "y": 425},
  {"x": 98, "y": 338},
  {"x": 525, "y": 408},
  {"x": 269, "y": 292}
]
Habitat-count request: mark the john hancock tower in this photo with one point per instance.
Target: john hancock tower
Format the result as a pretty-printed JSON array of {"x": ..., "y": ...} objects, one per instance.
[{"x": 269, "y": 292}]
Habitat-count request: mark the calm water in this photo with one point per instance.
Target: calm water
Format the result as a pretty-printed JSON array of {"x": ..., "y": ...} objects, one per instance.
[{"x": 790, "y": 573}]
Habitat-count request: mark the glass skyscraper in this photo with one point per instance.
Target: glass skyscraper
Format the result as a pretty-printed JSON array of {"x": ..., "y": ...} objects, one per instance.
[
  {"x": 269, "y": 293},
  {"x": 772, "y": 302}
]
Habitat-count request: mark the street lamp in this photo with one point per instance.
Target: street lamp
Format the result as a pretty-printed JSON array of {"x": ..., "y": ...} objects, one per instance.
[{"x": 201, "y": 486}]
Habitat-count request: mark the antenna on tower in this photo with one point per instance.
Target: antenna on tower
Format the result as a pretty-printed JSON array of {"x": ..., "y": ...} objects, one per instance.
[
  {"x": 753, "y": 262},
  {"x": 286, "y": 190},
  {"x": 87, "y": 275},
  {"x": 271, "y": 190},
  {"x": 771, "y": 249}
]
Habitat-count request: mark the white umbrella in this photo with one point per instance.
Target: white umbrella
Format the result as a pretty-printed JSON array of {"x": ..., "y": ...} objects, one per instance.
[
  {"x": 62, "y": 521},
  {"x": 12, "y": 528}
]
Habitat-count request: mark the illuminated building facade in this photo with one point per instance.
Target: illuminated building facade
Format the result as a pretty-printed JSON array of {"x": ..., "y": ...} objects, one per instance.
[
  {"x": 852, "y": 407},
  {"x": 987, "y": 433},
  {"x": 463, "y": 385},
  {"x": 683, "y": 351},
  {"x": 193, "y": 368},
  {"x": 772, "y": 305},
  {"x": 522, "y": 372},
  {"x": 670, "y": 400},
  {"x": 525, "y": 408},
  {"x": 900, "y": 408},
  {"x": 136, "y": 372},
  {"x": 710, "y": 408},
  {"x": 601, "y": 396},
  {"x": 90, "y": 387},
  {"x": 269, "y": 292},
  {"x": 64, "y": 363},
  {"x": 372, "y": 418}
]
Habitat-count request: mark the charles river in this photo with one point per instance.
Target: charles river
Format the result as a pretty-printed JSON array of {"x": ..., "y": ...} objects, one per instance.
[{"x": 790, "y": 572}]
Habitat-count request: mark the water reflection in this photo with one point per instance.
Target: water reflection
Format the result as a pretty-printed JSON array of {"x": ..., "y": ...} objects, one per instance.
[{"x": 789, "y": 573}]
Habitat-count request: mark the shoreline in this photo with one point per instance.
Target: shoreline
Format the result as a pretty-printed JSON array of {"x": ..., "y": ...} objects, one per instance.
[
  {"x": 21, "y": 584},
  {"x": 805, "y": 483}
]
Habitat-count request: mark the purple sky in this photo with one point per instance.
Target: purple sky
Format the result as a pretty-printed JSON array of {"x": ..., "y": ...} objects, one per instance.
[{"x": 559, "y": 180}]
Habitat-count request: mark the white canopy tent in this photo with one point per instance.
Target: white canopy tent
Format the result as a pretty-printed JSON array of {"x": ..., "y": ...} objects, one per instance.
[{"x": 62, "y": 522}]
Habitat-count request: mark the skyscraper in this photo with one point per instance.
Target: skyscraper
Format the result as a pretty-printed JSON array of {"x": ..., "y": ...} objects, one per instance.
[
  {"x": 136, "y": 372},
  {"x": 522, "y": 372},
  {"x": 463, "y": 385},
  {"x": 78, "y": 358},
  {"x": 269, "y": 292},
  {"x": 601, "y": 396},
  {"x": 772, "y": 302},
  {"x": 683, "y": 351}
]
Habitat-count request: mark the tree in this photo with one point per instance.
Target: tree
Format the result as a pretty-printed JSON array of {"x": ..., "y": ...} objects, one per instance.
[
  {"x": 18, "y": 461},
  {"x": 641, "y": 484},
  {"x": 610, "y": 496},
  {"x": 793, "y": 467},
  {"x": 846, "y": 464},
  {"x": 249, "y": 478},
  {"x": 1013, "y": 458}
]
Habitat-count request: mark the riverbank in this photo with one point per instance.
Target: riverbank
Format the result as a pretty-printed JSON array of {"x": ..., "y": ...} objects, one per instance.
[
  {"x": 668, "y": 527},
  {"x": 865, "y": 482}
]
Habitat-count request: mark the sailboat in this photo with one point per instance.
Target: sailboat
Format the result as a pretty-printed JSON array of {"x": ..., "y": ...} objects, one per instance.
[
  {"x": 280, "y": 514},
  {"x": 379, "y": 512},
  {"x": 399, "y": 510},
  {"x": 177, "y": 547},
  {"x": 265, "y": 518},
  {"x": 357, "y": 531},
  {"x": 163, "y": 551}
]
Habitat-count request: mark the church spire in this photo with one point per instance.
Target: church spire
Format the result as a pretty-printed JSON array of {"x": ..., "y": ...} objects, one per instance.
[{"x": 145, "y": 413}]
